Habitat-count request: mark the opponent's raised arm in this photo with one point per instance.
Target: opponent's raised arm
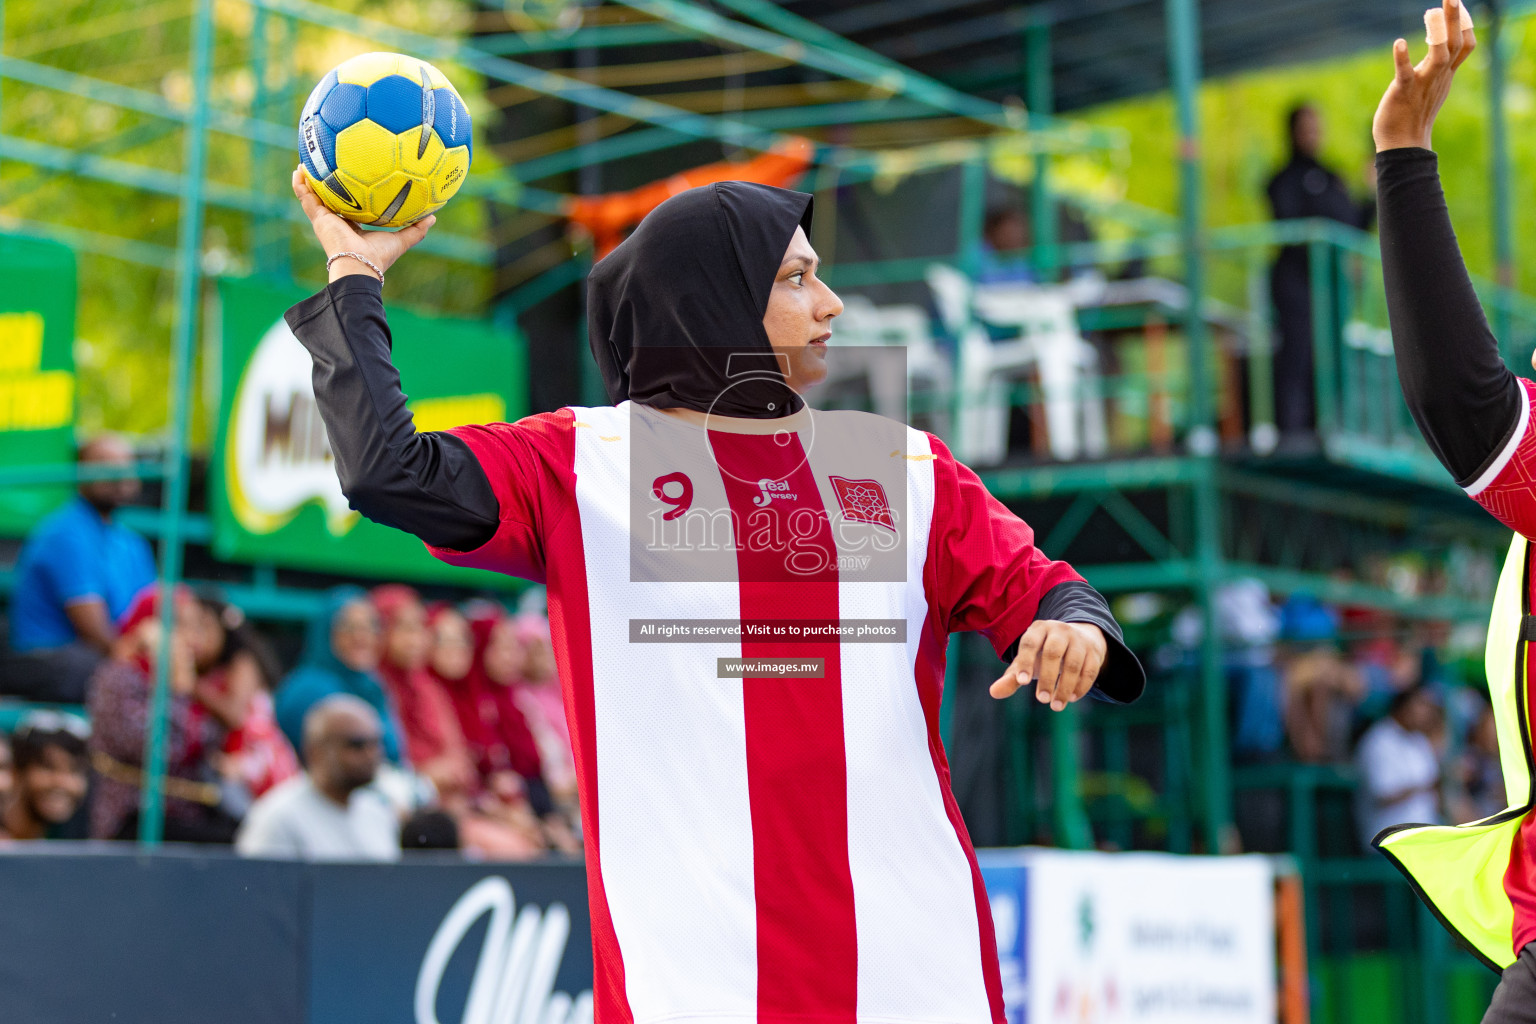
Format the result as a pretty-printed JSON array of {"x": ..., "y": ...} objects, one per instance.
[
  {"x": 1406, "y": 115},
  {"x": 428, "y": 484},
  {"x": 1462, "y": 396}
]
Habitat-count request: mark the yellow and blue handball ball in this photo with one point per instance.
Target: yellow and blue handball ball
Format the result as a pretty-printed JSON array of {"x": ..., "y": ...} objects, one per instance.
[{"x": 384, "y": 139}]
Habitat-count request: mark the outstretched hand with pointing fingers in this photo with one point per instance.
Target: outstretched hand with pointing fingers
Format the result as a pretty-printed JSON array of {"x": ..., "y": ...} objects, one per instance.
[{"x": 1065, "y": 657}]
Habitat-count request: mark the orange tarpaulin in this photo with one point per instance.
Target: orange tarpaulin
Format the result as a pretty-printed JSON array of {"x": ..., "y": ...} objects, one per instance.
[{"x": 608, "y": 217}]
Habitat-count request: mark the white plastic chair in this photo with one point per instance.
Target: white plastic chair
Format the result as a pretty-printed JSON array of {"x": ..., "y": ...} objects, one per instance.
[
  {"x": 1068, "y": 367},
  {"x": 985, "y": 374},
  {"x": 854, "y": 330},
  {"x": 865, "y": 325},
  {"x": 1046, "y": 340}
]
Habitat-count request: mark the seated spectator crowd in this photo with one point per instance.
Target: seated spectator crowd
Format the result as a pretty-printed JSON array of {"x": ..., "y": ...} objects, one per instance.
[
  {"x": 1362, "y": 690},
  {"x": 433, "y": 726},
  {"x": 403, "y": 725}
]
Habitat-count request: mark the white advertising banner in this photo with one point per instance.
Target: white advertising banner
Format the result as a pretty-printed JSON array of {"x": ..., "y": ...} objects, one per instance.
[{"x": 1150, "y": 939}]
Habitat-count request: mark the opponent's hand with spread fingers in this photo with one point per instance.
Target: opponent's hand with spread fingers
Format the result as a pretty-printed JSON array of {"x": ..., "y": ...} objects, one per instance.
[
  {"x": 337, "y": 234},
  {"x": 1407, "y": 112},
  {"x": 1065, "y": 657}
]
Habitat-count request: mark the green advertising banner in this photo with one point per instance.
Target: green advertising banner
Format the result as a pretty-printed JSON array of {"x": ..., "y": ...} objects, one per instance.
[
  {"x": 274, "y": 495},
  {"x": 37, "y": 372}
]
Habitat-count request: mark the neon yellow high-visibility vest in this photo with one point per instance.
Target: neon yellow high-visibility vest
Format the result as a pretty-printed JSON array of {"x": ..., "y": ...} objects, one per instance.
[{"x": 1458, "y": 870}]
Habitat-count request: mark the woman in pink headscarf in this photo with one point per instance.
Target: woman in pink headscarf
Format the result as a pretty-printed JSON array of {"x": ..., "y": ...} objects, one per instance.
[
  {"x": 237, "y": 671},
  {"x": 433, "y": 740},
  {"x": 497, "y": 819},
  {"x": 497, "y": 732},
  {"x": 539, "y": 697},
  {"x": 197, "y": 809},
  {"x": 499, "y": 737}
]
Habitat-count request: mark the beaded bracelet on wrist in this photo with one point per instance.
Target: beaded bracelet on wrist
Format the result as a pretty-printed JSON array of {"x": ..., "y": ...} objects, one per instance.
[{"x": 364, "y": 260}]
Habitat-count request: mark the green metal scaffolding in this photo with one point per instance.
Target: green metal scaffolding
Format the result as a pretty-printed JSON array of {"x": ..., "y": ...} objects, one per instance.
[
  {"x": 901, "y": 94},
  {"x": 1208, "y": 493}
]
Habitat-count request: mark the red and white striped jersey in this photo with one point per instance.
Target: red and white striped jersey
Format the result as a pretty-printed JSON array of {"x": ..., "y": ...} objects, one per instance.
[
  {"x": 1507, "y": 488},
  {"x": 765, "y": 848}
]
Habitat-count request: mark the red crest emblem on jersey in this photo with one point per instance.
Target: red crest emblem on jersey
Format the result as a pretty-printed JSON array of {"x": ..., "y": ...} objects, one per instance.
[{"x": 863, "y": 501}]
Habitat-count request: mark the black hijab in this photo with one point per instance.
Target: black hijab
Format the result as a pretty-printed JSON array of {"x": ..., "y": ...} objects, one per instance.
[{"x": 669, "y": 308}]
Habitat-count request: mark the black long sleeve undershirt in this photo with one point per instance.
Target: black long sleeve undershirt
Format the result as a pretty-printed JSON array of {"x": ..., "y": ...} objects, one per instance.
[
  {"x": 1121, "y": 678},
  {"x": 1464, "y": 399},
  {"x": 431, "y": 484},
  {"x": 428, "y": 484}
]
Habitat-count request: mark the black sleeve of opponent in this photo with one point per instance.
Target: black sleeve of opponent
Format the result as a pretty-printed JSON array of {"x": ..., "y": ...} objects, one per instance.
[
  {"x": 428, "y": 484},
  {"x": 1464, "y": 399},
  {"x": 1121, "y": 679}
]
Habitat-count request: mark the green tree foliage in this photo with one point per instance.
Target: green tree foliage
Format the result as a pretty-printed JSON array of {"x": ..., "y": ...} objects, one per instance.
[
  {"x": 1244, "y": 138},
  {"x": 126, "y": 308}
]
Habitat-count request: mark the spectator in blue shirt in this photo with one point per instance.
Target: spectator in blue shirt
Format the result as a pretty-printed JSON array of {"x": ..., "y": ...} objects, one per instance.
[
  {"x": 1004, "y": 237},
  {"x": 77, "y": 573}
]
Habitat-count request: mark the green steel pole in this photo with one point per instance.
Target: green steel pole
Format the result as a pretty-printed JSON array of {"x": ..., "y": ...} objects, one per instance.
[
  {"x": 1072, "y": 828},
  {"x": 1019, "y": 810},
  {"x": 973, "y": 197},
  {"x": 261, "y": 224},
  {"x": 1073, "y": 831},
  {"x": 1183, "y": 27},
  {"x": 284, "y": 101},
  {"x": 174, "y": 505},
  {"x": 2, "y": 52},
  {"x": 1325, "y": 335},
  {"x": 1184, "y": 66},
  {"x": 270, "y": 162},
  {"x": 1432, "y": 958},
  {"x": 973, "y": 211},
  {"x": 1040, "y": 98},
  {"x": 954, "y": 652},
  {"x": 1500, "y": 195}
]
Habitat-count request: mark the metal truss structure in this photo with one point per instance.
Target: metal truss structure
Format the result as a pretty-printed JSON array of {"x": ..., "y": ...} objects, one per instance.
[{"x": 644, "y": 80}]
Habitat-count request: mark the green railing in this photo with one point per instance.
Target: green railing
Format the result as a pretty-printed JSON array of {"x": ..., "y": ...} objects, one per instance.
[
  {"x": 1376, "y": 952},
  {"x": 1144, "y": 380}
]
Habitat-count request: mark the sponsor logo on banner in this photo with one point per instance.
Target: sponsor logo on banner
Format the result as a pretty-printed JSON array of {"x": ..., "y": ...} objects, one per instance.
[
  {"x": 1150, "y": 938},
  {"x": 277, "y": 457},
  {"x": 31, "y": 398},
  {"x": 519, "y": 957}
]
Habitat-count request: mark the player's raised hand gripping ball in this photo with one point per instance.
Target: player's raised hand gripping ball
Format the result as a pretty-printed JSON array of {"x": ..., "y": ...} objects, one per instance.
[{"x": 384, "y": 139}]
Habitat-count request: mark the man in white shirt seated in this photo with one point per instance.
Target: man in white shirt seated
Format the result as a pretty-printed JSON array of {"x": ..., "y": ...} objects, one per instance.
[
  {"x": 330, "y": 812},
  {"x": 1399, "y": 767}
]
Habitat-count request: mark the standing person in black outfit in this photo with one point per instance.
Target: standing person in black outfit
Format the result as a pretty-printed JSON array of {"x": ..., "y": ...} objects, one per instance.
[
  {"x": 1304, "y": 188},
  {"x": 1480, "y": 877}
]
